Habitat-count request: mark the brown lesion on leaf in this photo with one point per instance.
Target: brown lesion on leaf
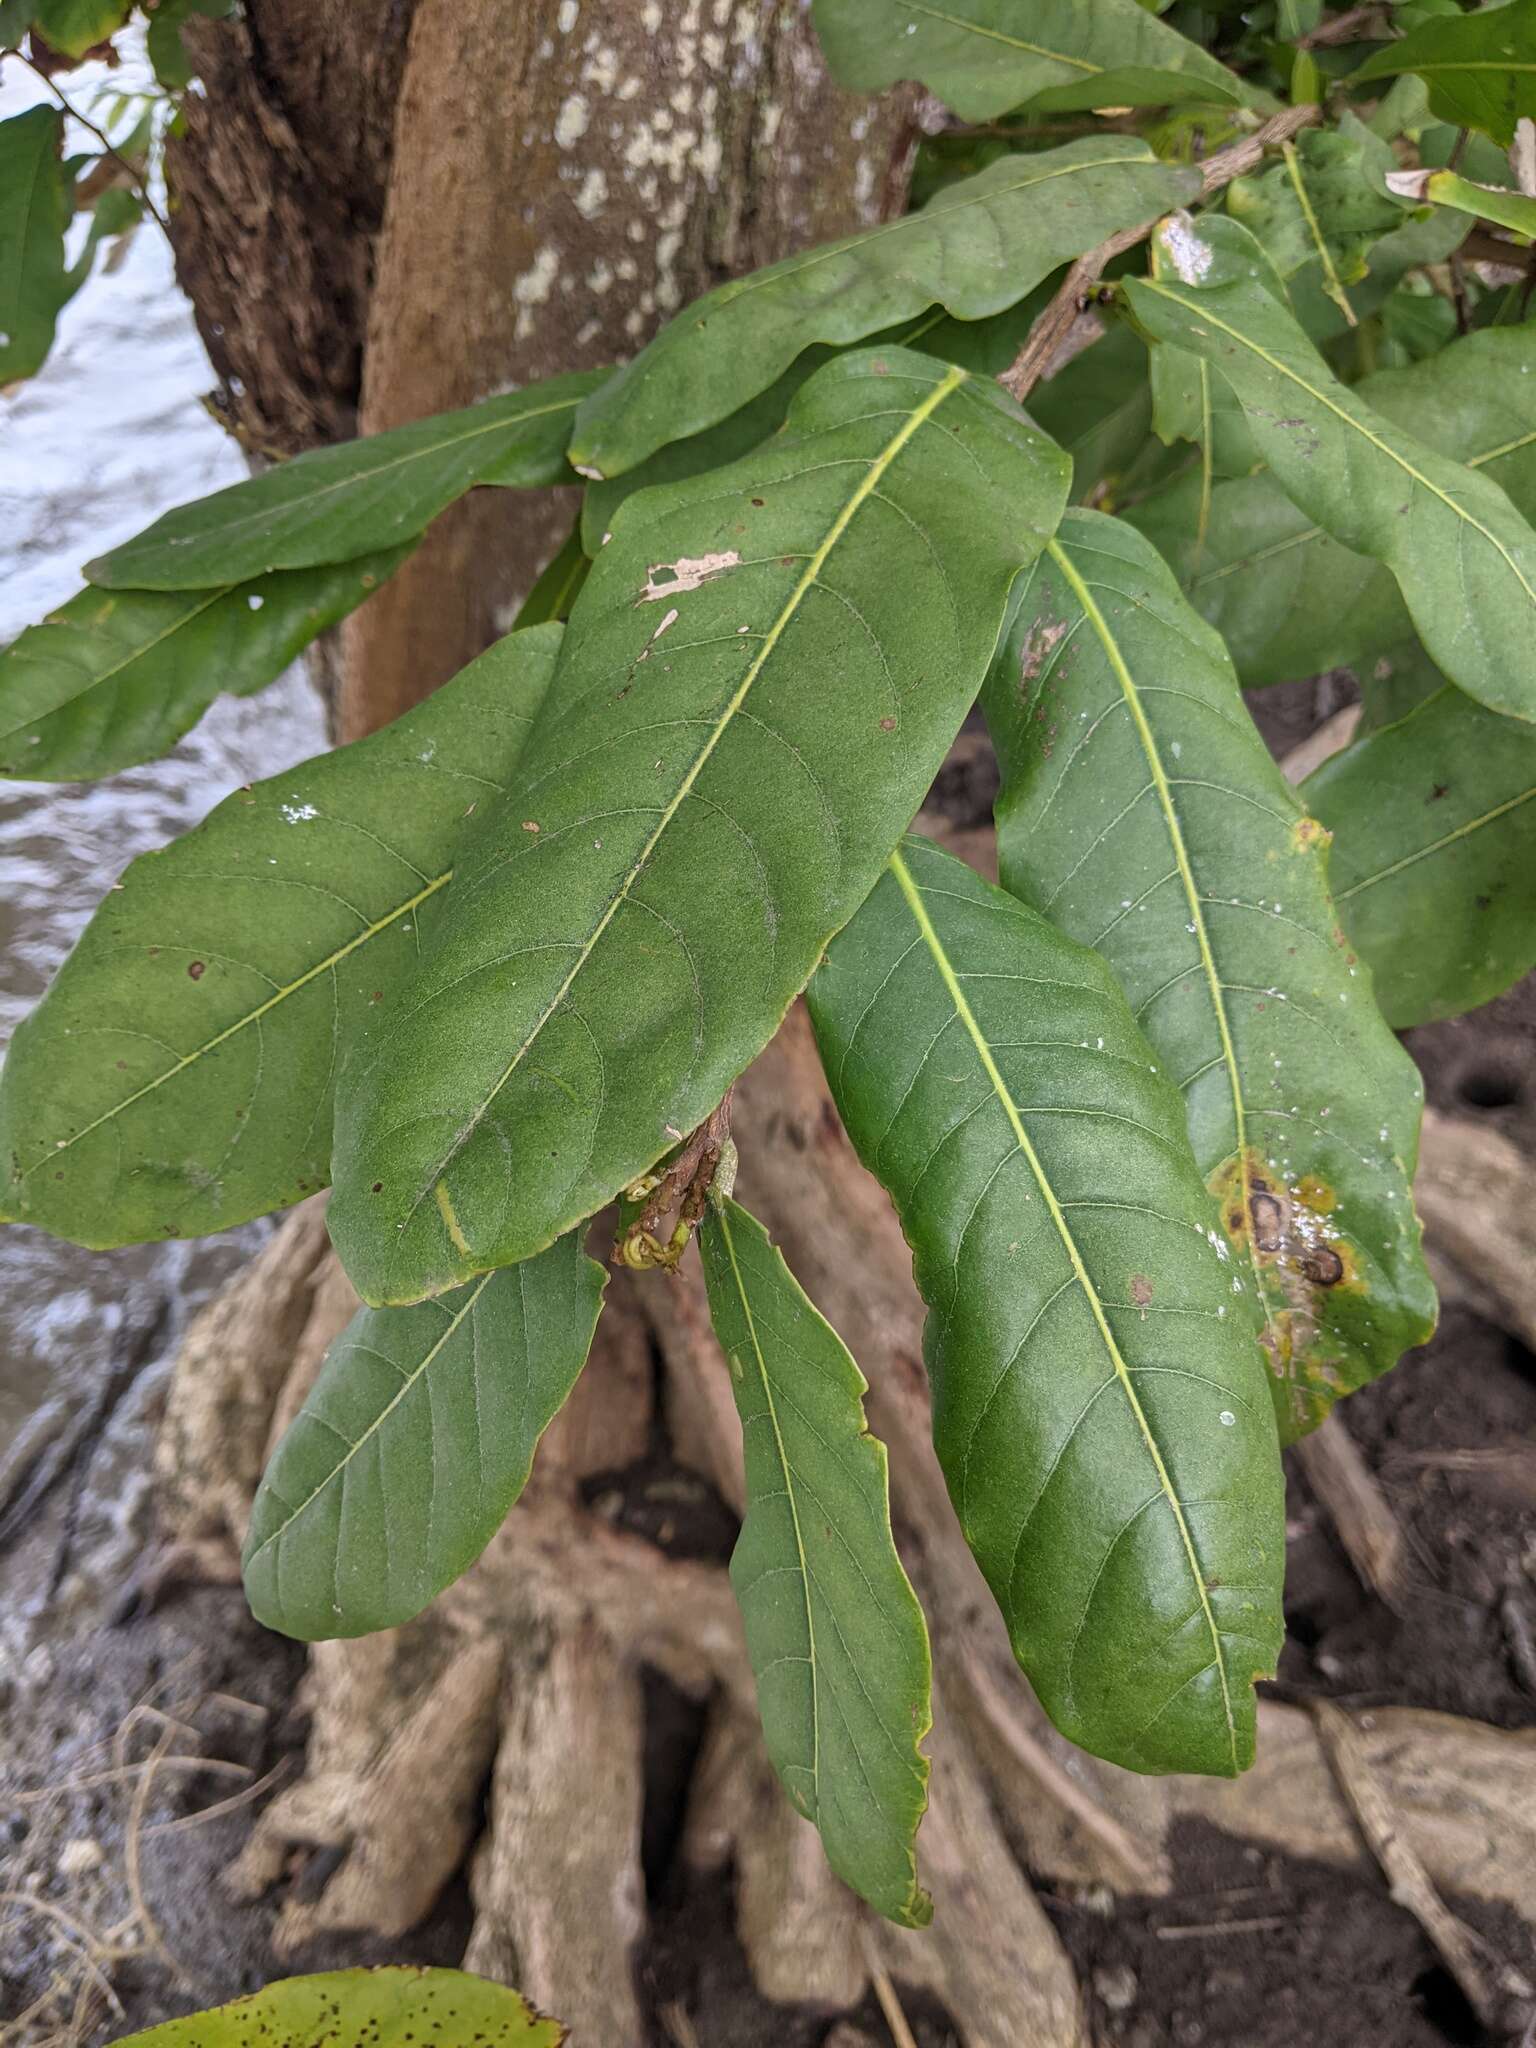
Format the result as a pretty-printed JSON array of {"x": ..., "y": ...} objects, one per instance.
[
  {"x": 1308, "y": 836},
  {"x": 1301, "y": 1261},
  {"x": 679, "y": 1189},
  {"x": 1040, "y": 643}
]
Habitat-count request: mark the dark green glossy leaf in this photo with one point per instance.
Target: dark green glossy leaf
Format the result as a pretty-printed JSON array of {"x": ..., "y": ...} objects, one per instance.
[
  {"x": 336, "y": 503},
  {"x": 983, "y": 57},
  {"x": 834, "y": 1631},
  {"x": 1142, "y": 812},
  {"x": 364, "y": 2009},
  {"x": 1463, "y": 557},
  {"x": 177, "y": 1077},
  {"x": 759, "y": 681},
  {"x": 977, "y": 248},
  {"x": 1480, "y": 67},
  {"x": 36, "y": 202},
  {"x": 1434, "y": 854},
  {"x": 1288, "y": 599},
  {"x": 1099, "y": 1400},
  {"x": 115, "y": 677},
  {"x": 416, "y": 1440}
]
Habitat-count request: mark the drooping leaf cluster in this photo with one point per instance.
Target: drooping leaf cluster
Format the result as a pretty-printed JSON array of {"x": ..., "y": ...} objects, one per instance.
[{"x": 1138, "y": 1105}]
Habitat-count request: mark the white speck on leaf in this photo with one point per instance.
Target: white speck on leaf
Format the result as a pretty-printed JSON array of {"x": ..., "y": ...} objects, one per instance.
[{"x": 1191, "y": 257}]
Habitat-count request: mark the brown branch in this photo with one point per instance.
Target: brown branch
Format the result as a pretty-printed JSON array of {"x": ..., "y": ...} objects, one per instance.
[
  {"x": 136, "y": 180},
  {"x": 1050, "y": 331},
  {"x": 1346, "y": 28}
]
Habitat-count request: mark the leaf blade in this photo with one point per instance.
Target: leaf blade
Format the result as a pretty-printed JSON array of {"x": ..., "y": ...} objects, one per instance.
[
  {"x": 1463, "y": 557},
  {"x": 978, "y": 247},
  {"x": 797, "y": 1386},
  {"x": 36, "y": 204},
  {"x": 1480, "y": 68},
  {"x": 408, "y": 1390},
  {"x": 335, "y": 503},
  {"x": 1303, "y": 1111},
  {"x": 588, "y": 999},
  {"x": 1048, "y": 1476},
  {"x": 119, "y": 1092},
  {"x": 1434, "y": 858},
  {"x": 384, "y": 2008}
]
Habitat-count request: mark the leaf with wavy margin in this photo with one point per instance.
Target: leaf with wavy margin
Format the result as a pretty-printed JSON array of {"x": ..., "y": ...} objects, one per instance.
[
  {"x": 414, "y": 1443},
  {"x": 1099, "y": 1401},
  {"x": 836, "y": 1637},
  {"x": 177, "y": 1077},
  {"x": 759, "y": 681},
  {"x": 1142, "y": 812}
]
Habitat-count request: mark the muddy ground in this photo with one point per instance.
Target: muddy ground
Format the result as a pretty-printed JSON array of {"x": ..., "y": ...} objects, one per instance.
[{"x": 113, "y": 1872}]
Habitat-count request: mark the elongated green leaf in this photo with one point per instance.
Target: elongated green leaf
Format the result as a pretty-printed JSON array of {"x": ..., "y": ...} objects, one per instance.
[
  {"x": 983, "y": 57},
  {"x": 1480, "y": 67},
  {"x": 1463, "y": 557},
  {"x": 1485, "y": 202},
  {"x": 836, "y": 1636},
  {"x": 335, "y": 503},
  {"x": 113, "y": 678},
  {"x": 1434, "y": 857},
  {"x": 388, "y": 2008},
  {"x": 1289, "y": 599},
  {"x": 1099, "y": 1402},
  {"x": 1142, "y": 812},
  {"x": 760, "y": 678},
  {"x": 36, "y": 201},
  {"x": 980, "y": 246},
  {"x": 177, "y": 1077},
  {"x": 417, "y": 1439}
]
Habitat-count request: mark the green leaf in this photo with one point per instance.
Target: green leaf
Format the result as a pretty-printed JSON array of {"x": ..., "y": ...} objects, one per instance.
[
  {"x": 364, "y": 2009},
  {"x": 1434, "y": 855},
  {"x": 416, "y": 1440},
  {"x": 558, "y": 586},
  {"x": 1317, "y": 213},
  {"x": 760, "y": 679},
  {"x": 74, "y": 26},
  {"x": 834, "y": 1631},
  {"x": 1099, "y": 1400},
  {"x": 335, "y": 503},
  {"x": 1480, "y": 67},
  {"x": 177, "y": 1077},
  {"x": 983, "y": 57},
  {"x": 113, "y": 678},
  {"x": 1462, "y": 555},
  {"x": 1098, "y": 408},
  {"x": 163, "y": 41},
  {"x": 1288, "y": 599},
  {"x": 1485, "y": 202},
  {"x": 36, "y": 203},
  {"x": 978, "y": 247},
  {"x": 1142, "y": 812},
  {"x": 15, "y": 20}
]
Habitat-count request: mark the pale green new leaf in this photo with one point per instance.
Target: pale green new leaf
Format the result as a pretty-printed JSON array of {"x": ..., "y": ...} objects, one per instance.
[
  {"x": 834, "y": 1631},
  {"x": 389, "y": 2008},
  {"x": 1142, "y": 812},
  {"x": 115, "y": 677},
  {"x": 1434, "y": 854},
  {"x": 75, "y": 26},
  {"x": 416, "y": 1440},
  {"x": 36, "y": 202},
  {"x": 1463, "y": 556},
  {"x": 759, "y": 681},
  {"x": 1480, "y": 67},
  {"x": 975, "y": 249},
  {"x": 983, "y": 57},
  {"x": 177, "y": 1077},
  {"x": 335, "y": 503},
  {"x": 1099, "y": 1401},
  {"x": 1289, "y": 599}
]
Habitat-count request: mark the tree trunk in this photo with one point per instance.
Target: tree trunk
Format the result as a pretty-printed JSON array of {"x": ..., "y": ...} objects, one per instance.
[{"x": 387, "y": 208}]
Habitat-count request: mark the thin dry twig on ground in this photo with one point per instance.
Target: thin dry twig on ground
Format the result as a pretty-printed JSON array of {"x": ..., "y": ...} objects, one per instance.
[
  {"x": 1361, "y": 1514},
  {"x": 1055, "y": 324},
  {"x": 885, "y": 1995}
]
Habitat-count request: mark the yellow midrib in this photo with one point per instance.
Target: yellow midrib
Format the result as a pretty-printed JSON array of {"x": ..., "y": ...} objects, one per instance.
[
  {"x": 1340, "y": 412},
  {"x": 952, "y": 379},
  {"x": 406, "y": 1386},
  {"x": 1080, "y": 1272},
  {"x": 722, "y": 1218},
  {"x": 279, "y": 995}
]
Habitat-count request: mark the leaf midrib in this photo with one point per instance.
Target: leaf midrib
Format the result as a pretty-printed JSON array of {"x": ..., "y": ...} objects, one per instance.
[
  {"x": 1321, "y": 397},
  {"x": 407, "y": 1385},
  {"x": 722, "y": 1220},
  {"x": 207, "y": 597},
  {"x": 963, "y": 1011},
  {"x": 950, "y": 382}
]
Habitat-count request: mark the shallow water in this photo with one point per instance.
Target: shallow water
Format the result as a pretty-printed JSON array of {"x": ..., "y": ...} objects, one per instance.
[{"x": 110, "y": 434}]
